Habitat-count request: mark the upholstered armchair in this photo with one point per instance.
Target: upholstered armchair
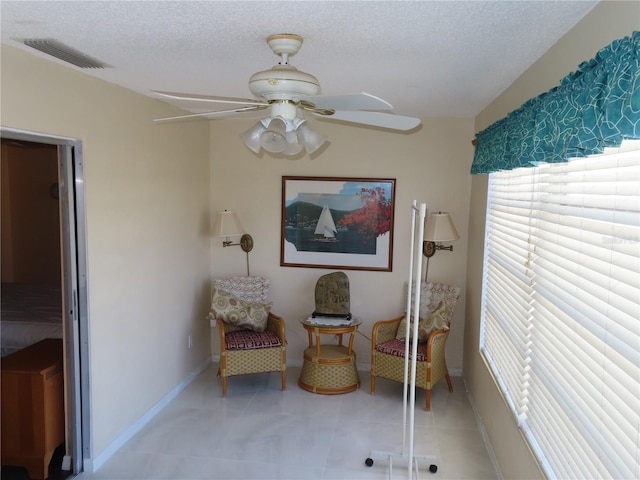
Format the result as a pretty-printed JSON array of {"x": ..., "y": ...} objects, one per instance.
[
  {"x": 252, "y": 338},
  {"x": 437, "y": 304}
]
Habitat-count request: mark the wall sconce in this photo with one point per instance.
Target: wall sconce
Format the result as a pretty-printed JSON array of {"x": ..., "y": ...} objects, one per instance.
[
  {"x": 439, "y": 228},
  {"x": 227, "y": 225}
]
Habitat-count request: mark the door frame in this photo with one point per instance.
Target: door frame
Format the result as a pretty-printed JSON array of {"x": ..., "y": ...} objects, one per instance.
[{"x": 78, "y": 453}]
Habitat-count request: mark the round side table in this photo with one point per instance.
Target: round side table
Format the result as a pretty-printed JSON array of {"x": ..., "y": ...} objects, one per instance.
[{"x": 329, "y": 369}]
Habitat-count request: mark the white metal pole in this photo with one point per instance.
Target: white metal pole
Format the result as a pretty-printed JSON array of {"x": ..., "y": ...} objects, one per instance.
[
  {"x": 414, "y": 342},
  {"x": 414, "y": 277},
  {"x": 414, "y": 209}
]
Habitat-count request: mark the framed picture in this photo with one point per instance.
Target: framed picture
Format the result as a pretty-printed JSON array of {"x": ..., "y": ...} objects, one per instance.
[{"x": 341, "y": 223}]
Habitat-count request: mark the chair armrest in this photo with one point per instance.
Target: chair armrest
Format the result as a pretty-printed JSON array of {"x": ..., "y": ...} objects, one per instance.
[
  {"x": 221, "y": 332},
  {"x": 275, "y": 324},
  {"x": 436, "y": 343},
  {"x": 384, "y": 331}
]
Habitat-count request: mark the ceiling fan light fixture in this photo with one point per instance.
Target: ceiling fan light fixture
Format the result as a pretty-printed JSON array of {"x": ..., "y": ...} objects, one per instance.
[
  {"x": 251, "y": 138},
  {"x": 311, "y": 139},
  {"x": 287, "y": 137},
  {"x": 294, "y": 147},
  {"x": 274, "y": 138}
]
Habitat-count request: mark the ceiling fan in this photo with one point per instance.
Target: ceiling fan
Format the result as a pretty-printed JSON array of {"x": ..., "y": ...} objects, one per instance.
[{"x": 288, "y": 92}]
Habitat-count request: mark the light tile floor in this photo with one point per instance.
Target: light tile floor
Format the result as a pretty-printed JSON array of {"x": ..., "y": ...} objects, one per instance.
[{"x": 261, "y": 432}]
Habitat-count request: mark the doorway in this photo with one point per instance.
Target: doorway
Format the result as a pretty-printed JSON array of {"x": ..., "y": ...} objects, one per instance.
[{"x": 61, "y": 157}]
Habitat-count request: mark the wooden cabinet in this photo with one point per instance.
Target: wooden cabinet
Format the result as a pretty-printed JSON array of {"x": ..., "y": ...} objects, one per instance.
[{"x": 33, "y": 406}]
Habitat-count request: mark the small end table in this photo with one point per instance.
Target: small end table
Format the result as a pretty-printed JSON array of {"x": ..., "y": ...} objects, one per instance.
[{"x": 329, "y": 369}]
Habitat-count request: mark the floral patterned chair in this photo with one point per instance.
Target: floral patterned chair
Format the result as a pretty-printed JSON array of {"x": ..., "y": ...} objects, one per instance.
[
  {"x": 437, "y": 304},
  {"x": 252, "y": 338}
]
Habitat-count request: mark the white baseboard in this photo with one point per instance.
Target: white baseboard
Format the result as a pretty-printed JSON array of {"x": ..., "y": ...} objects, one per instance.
[
  {"x": 483, "y": 432},
  {"x": 113, "y": 447}
]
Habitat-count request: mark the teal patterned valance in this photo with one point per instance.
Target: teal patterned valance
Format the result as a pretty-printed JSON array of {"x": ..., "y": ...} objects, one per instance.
[{"x": 595, "y": 107}]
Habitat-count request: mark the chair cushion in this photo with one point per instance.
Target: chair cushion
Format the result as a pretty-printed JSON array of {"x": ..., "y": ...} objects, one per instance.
[
  {"x": 438, "y": 319},
  {"x": 396, "y": 347},
  {"x": 248, "y": 340},
  {"x": 234, "y": 311}
]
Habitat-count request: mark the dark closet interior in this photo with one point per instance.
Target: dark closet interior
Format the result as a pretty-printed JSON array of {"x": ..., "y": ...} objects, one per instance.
[
  {"x": 31, "y": 308},
  {"x": 31, "y": 260}
]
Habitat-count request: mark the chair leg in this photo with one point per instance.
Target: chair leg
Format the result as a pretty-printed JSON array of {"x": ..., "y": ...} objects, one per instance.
[
  {"x": 449, "y": 382},
  {"x": 224, "y": 383},
  {"x": 373, "y": 369},
  {"x": 283, "y": 378},
  {"x": 428, "y": 406},
  {"x": 223, "y": 368}
]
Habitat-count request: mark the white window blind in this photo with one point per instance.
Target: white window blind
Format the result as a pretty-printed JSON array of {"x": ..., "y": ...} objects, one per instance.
[{"x": 561, "y": 310}]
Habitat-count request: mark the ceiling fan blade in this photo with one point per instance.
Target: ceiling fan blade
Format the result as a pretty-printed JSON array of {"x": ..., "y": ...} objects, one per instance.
[
  {"x": 208, "y": 98},
  {"x": 354, "y": 101},
  {"x": 376, "y": 119},
  {"x": 249, "y": 108}
]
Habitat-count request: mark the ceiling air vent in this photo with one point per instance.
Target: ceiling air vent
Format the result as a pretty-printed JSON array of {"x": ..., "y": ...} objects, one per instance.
[{"x": 63, "y": 52}]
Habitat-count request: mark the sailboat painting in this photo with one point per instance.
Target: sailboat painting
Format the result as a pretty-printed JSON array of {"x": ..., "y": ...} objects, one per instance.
[
  {"x": 325, "y": 228},
  {"x": 332, "y": 222}
]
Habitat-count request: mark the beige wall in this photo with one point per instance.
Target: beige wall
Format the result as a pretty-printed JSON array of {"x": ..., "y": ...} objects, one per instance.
[
  {"x": 147, "y": 203},
  {"x": 431, "y": 166},
  {"x": 605, "y": 23}
]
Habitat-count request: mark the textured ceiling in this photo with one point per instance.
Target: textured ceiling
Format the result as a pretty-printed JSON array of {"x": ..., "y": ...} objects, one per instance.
[{"x": 427, "y": 58}]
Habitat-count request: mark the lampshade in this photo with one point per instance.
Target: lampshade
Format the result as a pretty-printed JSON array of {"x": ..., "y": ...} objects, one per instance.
[
  {"x": 227, "y": 225},
  {"x": 274, "y": 138},
  {"x": 279, "y": 135},
  {"x": 251, "y": 138},
  {"x": 310, "y": 139},
  {"x": 440, "y": 228},
  {"x": 293, "y": 146}
]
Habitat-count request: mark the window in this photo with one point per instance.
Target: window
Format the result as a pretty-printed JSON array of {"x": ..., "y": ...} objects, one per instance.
[{"x": 560, "y": 326}]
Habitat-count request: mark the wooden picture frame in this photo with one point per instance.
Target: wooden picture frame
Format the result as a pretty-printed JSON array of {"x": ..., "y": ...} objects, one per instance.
[{"x": 337, "y": 222}]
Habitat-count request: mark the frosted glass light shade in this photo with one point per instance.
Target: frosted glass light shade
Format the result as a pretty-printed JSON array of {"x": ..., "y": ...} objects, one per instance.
[
  {"x": 251, "y": 138},
  {"x": 274, "y": 139},
  {"x": 310, "y": 139},
  {"x": 276, "y": 135},
  {"x": 293, "y": 146}
]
